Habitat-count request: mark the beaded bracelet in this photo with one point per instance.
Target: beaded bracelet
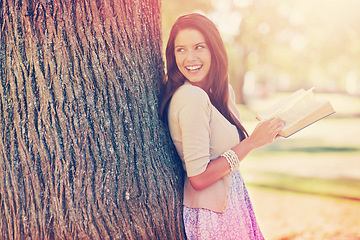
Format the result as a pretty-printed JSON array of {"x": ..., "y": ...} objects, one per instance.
[{"x": 232, "y": 159}]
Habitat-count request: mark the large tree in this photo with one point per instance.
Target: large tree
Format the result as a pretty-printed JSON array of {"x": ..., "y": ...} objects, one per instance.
[{"x": 83, "y": 154}]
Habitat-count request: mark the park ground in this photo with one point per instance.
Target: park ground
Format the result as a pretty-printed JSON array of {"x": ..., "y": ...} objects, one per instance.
[{"x": 307, "y": 187}]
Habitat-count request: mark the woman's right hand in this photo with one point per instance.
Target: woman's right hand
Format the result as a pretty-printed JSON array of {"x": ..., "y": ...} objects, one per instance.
[{"x": 266, "y": 132}]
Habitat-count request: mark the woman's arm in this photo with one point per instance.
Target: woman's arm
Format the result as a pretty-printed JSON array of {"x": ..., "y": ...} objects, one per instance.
[{"x": 264, "y": 133}]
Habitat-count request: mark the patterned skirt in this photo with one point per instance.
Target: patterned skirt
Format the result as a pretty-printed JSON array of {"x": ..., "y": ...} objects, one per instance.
[{"x": 238, "y": 222}]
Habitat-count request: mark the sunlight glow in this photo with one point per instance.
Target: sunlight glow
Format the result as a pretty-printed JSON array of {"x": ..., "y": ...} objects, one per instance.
[{"x": 314, "y": 43}]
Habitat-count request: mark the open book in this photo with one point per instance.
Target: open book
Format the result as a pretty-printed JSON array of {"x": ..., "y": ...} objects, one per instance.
[{"x": 299, "y": 110}]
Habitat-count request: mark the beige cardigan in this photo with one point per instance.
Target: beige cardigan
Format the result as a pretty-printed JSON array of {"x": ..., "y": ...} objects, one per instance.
[{"x": 200, "y": 134}]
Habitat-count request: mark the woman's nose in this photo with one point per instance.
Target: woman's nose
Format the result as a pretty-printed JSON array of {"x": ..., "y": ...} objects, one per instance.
[{"x": 191, "y": 55}]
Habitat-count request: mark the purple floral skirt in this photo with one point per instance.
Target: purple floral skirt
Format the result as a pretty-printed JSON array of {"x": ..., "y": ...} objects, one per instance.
[{"x": 238, "y": 222}]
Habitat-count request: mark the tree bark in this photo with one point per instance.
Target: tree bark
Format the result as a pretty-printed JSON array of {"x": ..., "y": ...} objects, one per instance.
[{"x": 83, "y": 154}]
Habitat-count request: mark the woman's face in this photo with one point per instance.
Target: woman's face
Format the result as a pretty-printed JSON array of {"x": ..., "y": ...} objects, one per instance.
[{"x": 192, "y": 55}]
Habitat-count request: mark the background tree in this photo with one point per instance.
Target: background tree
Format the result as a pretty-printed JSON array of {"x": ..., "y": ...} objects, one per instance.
[{"x": 83, "y": 154}]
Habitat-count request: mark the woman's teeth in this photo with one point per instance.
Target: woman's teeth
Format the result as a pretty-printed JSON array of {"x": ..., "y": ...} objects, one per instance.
[{"x": 193, "y": 68}]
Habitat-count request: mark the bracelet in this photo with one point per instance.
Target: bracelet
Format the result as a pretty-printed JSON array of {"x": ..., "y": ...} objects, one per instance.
[{"x": 232, "y": 159}]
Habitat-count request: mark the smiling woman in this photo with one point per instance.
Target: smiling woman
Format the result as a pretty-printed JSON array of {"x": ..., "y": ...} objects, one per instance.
[{"x": 198, "y": 105}]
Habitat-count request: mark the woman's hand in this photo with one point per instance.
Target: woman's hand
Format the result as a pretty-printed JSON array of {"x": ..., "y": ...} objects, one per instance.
[{"x": 266, "y": 132}]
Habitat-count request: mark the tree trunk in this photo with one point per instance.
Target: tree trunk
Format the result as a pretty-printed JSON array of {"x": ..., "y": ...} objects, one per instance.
[{"x": 83, "y": 154}]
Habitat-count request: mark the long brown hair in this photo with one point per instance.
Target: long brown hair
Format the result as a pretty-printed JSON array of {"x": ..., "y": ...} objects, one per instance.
[{"x": 216, "y": 84}]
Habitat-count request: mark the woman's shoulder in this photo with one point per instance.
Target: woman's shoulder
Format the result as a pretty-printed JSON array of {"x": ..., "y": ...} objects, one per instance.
[{"x": 190, "y": 93}]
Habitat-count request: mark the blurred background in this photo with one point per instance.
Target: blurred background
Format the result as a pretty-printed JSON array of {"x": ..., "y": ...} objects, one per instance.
[{"x": 308, "y": 185}]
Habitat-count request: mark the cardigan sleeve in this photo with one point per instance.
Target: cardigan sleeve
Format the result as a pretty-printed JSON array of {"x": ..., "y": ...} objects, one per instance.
[{"x": 189, "y": 123}]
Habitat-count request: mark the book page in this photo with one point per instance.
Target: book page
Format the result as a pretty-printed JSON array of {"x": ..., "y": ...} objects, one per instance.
[
  {"x": 315, "y": 112},
  {"x": 299, "y": 110},
  {"x": 283, "y": 105}
]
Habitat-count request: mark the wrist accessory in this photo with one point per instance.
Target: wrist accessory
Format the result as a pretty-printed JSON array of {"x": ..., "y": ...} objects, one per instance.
[{"x": 232, "y": 159}]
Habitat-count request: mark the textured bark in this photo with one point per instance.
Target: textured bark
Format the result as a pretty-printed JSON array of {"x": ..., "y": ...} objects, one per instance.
[{"x": 83, "y": 154}]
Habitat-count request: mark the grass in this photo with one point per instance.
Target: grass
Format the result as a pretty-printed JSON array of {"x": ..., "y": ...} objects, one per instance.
[{"x": 343, "y": 188}]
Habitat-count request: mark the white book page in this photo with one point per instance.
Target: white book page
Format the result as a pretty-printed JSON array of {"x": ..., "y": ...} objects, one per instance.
[
  {"x": 299, "y": 111},
  {"x": 290, "y": 105}
]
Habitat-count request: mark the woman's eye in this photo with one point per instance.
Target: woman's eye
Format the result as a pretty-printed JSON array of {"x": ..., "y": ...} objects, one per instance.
[
  {"x": 180, "y": 50},
  {"x": 200, "y": 47}
]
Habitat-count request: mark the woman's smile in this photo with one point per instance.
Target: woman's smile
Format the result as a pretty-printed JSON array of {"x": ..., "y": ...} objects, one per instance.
[{"x": 194, "y": 68}]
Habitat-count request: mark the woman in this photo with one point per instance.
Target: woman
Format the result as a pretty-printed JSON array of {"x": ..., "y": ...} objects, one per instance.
[{"x": 198, "y": 105}]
